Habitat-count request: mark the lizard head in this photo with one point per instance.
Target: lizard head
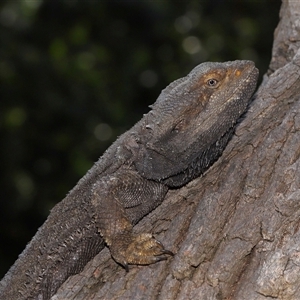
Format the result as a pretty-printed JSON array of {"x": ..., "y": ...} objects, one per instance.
[{"x": 190, "y": 123}]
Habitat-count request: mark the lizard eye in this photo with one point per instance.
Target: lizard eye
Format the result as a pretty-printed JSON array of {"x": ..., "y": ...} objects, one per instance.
[{"x": 212, "y": 82}]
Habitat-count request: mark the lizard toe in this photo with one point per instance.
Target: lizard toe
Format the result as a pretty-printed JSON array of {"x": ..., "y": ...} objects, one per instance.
[
  {"x": 145, "y": 249},
  {"x": 142, "y": 249}
]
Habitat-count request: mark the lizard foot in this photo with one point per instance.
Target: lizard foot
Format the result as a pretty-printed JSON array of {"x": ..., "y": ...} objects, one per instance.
[{"x": 143, "y": 249}]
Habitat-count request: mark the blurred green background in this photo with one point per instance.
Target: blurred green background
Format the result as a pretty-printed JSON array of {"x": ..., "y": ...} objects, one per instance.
[{"x": 76, "y": 74}]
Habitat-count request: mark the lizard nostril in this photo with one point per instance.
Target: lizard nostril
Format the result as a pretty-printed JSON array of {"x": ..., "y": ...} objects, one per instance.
[{"x": 237, "y": 73}]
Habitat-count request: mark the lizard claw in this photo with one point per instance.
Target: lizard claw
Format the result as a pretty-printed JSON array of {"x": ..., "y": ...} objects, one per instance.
[
  {"x": 168, "y": 252},
  {"x": 126, "y": 267},
  {"x": 143, "y": 249}
]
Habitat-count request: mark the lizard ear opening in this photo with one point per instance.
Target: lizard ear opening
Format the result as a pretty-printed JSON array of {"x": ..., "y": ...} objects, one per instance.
[{"x": 180, "y": 126}]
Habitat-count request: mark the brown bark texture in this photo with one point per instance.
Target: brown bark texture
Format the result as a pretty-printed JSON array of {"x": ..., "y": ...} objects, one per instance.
[{"x": 235, "y": 231}]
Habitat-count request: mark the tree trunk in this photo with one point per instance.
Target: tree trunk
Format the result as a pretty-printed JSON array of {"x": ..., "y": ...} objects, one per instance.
[{"x": 235, "y": 231}]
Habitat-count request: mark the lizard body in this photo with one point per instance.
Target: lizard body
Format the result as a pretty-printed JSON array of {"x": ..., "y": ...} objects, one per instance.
[{"x": 184, "y": 133}]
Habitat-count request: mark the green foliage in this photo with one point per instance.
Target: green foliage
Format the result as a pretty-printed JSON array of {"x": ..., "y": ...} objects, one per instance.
[{"x": 75, "y": 74}]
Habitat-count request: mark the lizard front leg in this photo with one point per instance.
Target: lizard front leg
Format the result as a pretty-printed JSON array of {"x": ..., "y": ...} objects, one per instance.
[{"x": 120, "y": 201}]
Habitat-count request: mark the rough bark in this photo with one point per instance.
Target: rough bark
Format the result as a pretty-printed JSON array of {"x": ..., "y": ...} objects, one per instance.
[{"x": 236, "y": 230}]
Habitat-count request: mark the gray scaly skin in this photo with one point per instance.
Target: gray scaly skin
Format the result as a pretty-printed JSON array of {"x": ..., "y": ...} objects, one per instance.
[{"x": 184, "y": 133}]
